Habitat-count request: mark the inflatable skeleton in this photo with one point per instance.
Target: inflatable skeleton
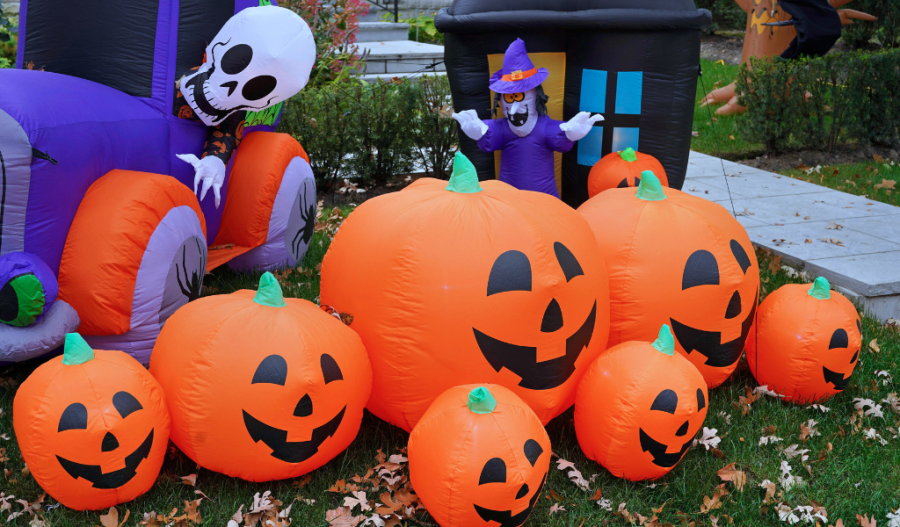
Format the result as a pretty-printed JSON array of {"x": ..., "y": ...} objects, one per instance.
[
  {"x": 526, "y": 134},
  {"x": 261, "y": 57}
]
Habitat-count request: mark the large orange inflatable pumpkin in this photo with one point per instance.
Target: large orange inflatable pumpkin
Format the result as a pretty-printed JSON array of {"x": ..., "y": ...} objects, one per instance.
[
  {"x": 261, "y": 387},
  {"x": 680, "y": 260},
  {"x": 92, "y": 426},
  {"x": 807, "y": 342},
  {"x": 639, "y": 407},
  {"x": 469, "y": 283},
  {"x": 623, "y": 169},
  {"x": 479, "y": 457}
]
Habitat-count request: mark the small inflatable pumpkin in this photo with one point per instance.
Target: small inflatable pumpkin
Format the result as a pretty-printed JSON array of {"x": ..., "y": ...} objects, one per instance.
[
  {"x": 467, "y": 283},
  {"x": 806, "y": 343},
  {"x": 623, "y": 169},
  {"x": 639, "y": 407},
  {"x": 93, "y": 426},
  {"x": 681, "y": 260},
  {"x": 479, "y": 457},
  {"x": 261, "y": 387}
]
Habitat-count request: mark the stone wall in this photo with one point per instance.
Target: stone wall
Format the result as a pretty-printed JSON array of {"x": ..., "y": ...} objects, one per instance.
[{"x": 426, "y": 5}]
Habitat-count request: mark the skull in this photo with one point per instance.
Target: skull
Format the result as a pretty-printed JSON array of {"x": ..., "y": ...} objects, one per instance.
[{"x": 261, "y": 56}]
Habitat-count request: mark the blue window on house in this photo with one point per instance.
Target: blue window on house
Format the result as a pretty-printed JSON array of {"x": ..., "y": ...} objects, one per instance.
[{"x": 621, "y": 92}]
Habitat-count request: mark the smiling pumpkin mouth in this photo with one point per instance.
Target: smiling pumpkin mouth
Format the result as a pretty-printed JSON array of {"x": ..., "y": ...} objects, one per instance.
[
  {"x": 709, "y": 343},
  {"x": 506, "y": 518},
  {"x": 522, "y": 360},
  {"x": 835, "y": 378},
  {"x": 656, "y": 449},
  {"x": 291, "y": 451},
  {"x": 109, "y": 480}
]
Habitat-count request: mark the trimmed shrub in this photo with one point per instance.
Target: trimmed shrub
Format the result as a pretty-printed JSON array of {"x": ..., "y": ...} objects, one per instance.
[
  {"x": 884, "y": 32},
  {"x": 823, "y": 102}
]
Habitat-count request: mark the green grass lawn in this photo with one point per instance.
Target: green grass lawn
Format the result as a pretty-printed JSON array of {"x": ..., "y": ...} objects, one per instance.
[
  {"x": 719, "y": 135},
  {"x": 875, "y": 179},
  {"x": 848, "y": 475}
]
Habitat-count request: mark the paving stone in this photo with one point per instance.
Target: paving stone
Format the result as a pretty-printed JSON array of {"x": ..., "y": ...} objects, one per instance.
[
  {"x": 871, "y": 275},
  {"x": 885, "y": 228},
  {"x": 705, "y": 187},
  {"x": 816, "y": 206},
  {"x": 790, "y": 239}
]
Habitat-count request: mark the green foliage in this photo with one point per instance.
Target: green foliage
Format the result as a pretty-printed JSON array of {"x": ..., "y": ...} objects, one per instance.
[
  {"x": 726, "y": 14},
  {"x": 823, "y": 102},
  {"x": 884, "y": 32},
  {"x": 715, "y": 134},
  {"x": 8, "y": 39},
  {"x": 421, "y": 28},
  {"x": 373, "y": 131}
]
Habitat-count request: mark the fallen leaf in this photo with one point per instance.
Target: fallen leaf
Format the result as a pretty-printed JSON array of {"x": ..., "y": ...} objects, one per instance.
[
  {"x": 834, "y": 226},
  {"x": 770, "y": 491},
  {"x": 556, "y": 507},
  {"x": 833, "y": 241},
  {"x": 190, "y": 479},
  {"x": 709, "y": 439},
  {"x": 111, "y": 518},
  {"x": 730, "y": 473},
  {"x": 887, "y": 184},
  {"x": 865, "y": 521},
  {"x": 808, "y": 430},
  {"x": 342, "y": 517},
  {"x": 874, "y": 346}
]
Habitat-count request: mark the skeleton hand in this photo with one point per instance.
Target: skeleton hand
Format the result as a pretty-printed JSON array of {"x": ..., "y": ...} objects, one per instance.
[
  {"x": 210, "y": 170},
  {"x": 470, "y": 123},
  {"x": 580, "y": 125}
]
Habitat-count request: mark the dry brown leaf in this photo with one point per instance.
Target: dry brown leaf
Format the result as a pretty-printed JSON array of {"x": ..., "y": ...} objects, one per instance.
[
  {"x": 887, "y": 184},
  {"x": 874, "y": 346},
  {"x": 190, "y": 479},
  {"x": 839, "y": 523},
  {"x": 597, "y": 495},
  {"x": 111, "y": 518},
  {"x": 865, "y": 521},
  {"x": 342, "y": 517},
  {"x": 732, "y": 474}
]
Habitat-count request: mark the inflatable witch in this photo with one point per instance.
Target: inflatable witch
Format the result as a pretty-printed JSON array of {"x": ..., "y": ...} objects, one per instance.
[{"x": 526, "y": 134}]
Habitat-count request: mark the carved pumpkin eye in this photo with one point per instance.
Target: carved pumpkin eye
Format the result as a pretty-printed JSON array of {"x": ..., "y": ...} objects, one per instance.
[
  {"x": 126, "y": 404},
  {"x": 700, "y": 269},
  {"x": 567, "y": 261},
  {"x": 304, "y": 408},
  {"x": 74, "y": 417},
  {"x": 701, "y": 400},
  {"x": 511, "y": 272},
  {"x": 666, "y": 401},
  {"x": 533, "y": 451},
  {"x": 839, "y": 339},
  {"x": 494, "y": 471},
  {"x": 330, "y": 369},
  {"x": 272, "y": 370},
  {"x": 740, "y": 255}
]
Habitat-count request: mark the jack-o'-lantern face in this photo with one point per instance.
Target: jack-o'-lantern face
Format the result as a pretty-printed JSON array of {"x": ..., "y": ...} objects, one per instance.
[
  {"x": 512, "y": 271},
  {"x": 273, "y": 372},
  {"x": 494, "y": 474},
  {"x": 838, "y": 350},
  {"x": 720, "y": 348},
  {"x": 73, "y": 427},
  {"x": 93, "y": 426},
  {"x": 671, "y": 445}
]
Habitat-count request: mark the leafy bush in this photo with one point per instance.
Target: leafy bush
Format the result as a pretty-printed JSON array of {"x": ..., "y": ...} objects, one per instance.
[
  {"x": 726, "y": 14},
  {"x": 822, "y": 102},
  {"x": 8, "y": 37},
  {"x": 334, "y": 24},
  {"x": 421, "y": 28},
  {"x": 885, "y": 32},
  {"x": 373, "y": 131}
]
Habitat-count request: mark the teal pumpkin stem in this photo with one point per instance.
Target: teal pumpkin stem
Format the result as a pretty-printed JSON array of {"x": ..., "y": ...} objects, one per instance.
[
  {"x": 269, "y": 292},
  {"x": 650, "y": 189},
  {"x": 665, "y": 343},
  {"x": 76, "y": 351},
  {"x": 628, "y": 155},
  {"x": 464, "y": 179},
  {"x": 481, "y": 401},
  {"x": 820, "y": 289}
]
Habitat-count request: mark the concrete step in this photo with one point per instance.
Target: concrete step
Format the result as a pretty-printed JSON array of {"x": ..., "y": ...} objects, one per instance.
[
  {"x": 402, "y": 56},
  {"x": 374, "y": 77},
  {"x": 382, "y": 31},
  {"x": 852, "y": 241}
]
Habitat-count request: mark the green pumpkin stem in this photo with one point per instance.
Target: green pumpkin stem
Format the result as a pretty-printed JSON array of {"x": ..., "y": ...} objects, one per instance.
[
  {"x": 650, "y": 189},
  {"x": 481, "y": 401},
  {"x": 269, "y": 292},
  {"x": 665, "y": 343},
  {"x": 76, "y": 350},
  {"x": 464, "y": 179},
  {"x": 628, "y": 155},
  {"x": 820, "y": 289}
]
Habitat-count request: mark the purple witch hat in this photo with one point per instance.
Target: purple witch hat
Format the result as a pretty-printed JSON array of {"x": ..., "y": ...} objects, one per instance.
[{"x": 518, "y": 73}]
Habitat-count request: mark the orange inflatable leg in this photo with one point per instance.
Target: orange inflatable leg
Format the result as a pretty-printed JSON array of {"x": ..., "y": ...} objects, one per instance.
[
  {"x": 720, "y": 95},
  {"x": 731, "y": 108}
]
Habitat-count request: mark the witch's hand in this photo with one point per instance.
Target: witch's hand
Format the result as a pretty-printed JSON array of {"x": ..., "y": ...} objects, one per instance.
[
  {"x": 471, "y": 125},
  {"x": 580, "y": 125}
]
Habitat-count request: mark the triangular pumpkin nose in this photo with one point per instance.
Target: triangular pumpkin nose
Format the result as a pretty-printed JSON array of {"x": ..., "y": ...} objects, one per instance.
[
  {"x": 553, "y": 320},
  {"x": 523, "y": 491},
  {"x": 734, "y": 306},
  {"x": 110, "y": 443}
]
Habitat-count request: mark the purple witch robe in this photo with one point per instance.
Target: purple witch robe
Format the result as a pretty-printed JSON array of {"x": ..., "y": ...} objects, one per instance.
[{"x": 527, "y": 162}]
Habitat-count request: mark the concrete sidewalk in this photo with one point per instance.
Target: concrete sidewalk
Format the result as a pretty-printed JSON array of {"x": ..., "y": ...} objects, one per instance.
[{"x": 852, "y": 241}]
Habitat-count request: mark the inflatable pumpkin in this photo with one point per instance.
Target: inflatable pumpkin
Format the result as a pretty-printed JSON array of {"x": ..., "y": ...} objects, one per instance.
[
  {"x": 623, "y": 169},
  {"x": 93, "y": 426},
  {"x": 261, "y": 387},
  {"x": 469, "y": 283},
  {"x": 639, "y": 407},
  {"x": 806, "y": 343},
  {"x": 479, "y": 457},
  {"x": 680, "y": 260}
]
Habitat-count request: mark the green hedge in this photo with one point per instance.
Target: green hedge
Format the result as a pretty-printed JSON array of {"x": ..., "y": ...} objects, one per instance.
[
  {"x": 373, "y": 131},
  {"x": 820, "y": 103},
  {"x": 885, "y": 32},
  {"x": 726, "y": 14}
]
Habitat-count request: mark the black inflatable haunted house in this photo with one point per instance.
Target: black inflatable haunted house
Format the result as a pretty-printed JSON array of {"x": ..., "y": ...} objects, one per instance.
[{"x": 634, "y": 61}]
